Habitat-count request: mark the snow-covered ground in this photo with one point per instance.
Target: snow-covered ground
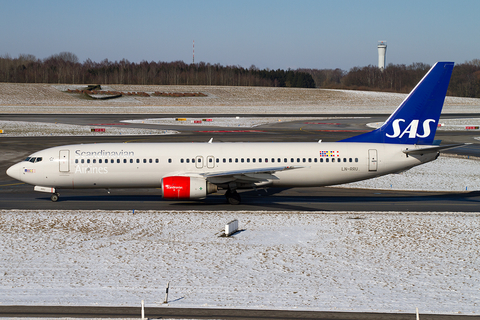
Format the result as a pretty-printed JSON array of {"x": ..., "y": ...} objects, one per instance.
[
  {"x": 46, "y": 98},
  {"x": 35, "y": 129},
  {"x": 447, "y": 173},
  {"x": 338, "y": 261}
]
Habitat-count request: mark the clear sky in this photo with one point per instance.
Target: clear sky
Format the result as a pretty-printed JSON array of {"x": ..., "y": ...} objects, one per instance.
[{"x": 272, "y": 34}]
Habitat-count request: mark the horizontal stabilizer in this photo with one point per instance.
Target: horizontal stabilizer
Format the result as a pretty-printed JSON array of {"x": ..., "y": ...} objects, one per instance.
[{"x": 432, "y": 149}]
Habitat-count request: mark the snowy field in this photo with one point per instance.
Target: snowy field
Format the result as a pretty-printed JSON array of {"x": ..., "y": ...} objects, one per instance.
[
  {"x": 338, "y": 261},
  {"x": 447, "y": 173},
  {"x": 36, "y": 129},
  {"x": 46, "y": 98}
]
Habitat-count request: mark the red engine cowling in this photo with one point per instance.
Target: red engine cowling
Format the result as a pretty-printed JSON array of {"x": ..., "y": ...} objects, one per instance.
[{"x": 181, "y": 187}]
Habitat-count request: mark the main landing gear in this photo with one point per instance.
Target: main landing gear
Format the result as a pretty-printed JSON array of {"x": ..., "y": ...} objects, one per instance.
[
  {"x": 54, "y": 197},
  {"x": 232, "y": 197}
]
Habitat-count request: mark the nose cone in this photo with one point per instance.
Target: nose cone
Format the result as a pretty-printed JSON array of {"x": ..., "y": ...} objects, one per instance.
[{"x": 14, "y": 171}]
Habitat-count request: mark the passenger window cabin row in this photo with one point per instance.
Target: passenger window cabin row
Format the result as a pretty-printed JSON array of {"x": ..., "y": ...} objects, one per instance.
[
  {"x": 272, "y": 160},
  {"x": 223, "y": 160},
  {"x": 118, "y": 161}
]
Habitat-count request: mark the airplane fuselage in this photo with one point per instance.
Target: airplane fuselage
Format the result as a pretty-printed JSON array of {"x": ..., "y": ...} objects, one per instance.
[{"x": 131, "y": 165}]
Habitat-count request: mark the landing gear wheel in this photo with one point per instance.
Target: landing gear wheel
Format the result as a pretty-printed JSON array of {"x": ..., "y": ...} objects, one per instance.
[
  {"x": 232, "y": 197},
  {"x": 54, "y": 197}
]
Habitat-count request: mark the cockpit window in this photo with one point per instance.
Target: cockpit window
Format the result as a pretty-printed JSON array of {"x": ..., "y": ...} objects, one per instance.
[{"x": 34, "y": 159}]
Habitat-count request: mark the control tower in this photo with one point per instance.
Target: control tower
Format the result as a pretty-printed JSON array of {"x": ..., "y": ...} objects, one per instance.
[{"x": 382, "y": 51}]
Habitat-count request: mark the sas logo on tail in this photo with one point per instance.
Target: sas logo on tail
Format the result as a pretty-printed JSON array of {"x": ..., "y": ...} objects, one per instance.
[{"x": 411, "y": 129}]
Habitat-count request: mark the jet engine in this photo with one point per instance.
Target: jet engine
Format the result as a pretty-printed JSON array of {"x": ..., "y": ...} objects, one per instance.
[{"x": 182, "y": 187}]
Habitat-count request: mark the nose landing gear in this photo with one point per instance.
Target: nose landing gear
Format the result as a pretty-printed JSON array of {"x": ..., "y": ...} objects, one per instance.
[{"x": 53, "y": 195}]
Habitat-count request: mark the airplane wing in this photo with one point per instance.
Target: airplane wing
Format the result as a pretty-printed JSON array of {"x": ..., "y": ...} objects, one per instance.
[
  {"x": 246, "y": 176},
  {"x": 432, "y": 149}
]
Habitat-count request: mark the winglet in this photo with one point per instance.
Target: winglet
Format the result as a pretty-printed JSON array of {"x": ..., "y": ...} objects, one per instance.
[{"x": 416, "y": 118}]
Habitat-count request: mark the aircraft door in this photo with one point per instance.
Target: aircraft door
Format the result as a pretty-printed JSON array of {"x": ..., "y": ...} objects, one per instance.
[
  {"x": 372, "y": 160},
  {"x": 64, "y": 161},
  {"x": 199, "y": 162},
  {"x": 210, "y": 162}
]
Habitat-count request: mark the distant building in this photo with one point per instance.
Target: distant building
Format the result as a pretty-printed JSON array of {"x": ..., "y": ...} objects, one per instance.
[{"x": 382, "y": 54}]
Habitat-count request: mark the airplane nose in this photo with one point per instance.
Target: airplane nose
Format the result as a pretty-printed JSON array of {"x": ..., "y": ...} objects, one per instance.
[{"x": 14, "y": 172}]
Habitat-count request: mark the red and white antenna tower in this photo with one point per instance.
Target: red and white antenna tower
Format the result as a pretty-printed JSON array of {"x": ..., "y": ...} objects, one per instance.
[{"x": 194, "y": 51}]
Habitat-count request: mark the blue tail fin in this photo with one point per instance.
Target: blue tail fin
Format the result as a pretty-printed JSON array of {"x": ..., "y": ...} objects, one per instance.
[{"x": 416, "y": 119}]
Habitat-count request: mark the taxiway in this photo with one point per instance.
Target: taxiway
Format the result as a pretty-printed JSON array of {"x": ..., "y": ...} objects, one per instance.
[{"x": 15, "y": 195}]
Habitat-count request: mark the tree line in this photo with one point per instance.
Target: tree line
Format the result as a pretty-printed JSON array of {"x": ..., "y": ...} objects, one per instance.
[
  {"x": 465, "y": 81},
  {"x": 66, "y": 68}
]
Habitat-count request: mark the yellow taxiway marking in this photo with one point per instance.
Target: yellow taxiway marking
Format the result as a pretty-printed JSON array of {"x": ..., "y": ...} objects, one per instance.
[
  {"x": 11, "y": 184},
  {"x": 301, "y": 129}
]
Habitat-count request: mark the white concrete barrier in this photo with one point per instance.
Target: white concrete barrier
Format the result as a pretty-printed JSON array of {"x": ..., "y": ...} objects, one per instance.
[{"x": 231, "y": 227}]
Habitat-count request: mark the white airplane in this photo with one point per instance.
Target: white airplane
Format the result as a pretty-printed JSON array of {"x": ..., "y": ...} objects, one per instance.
[{"x": 194, "y": 170}]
